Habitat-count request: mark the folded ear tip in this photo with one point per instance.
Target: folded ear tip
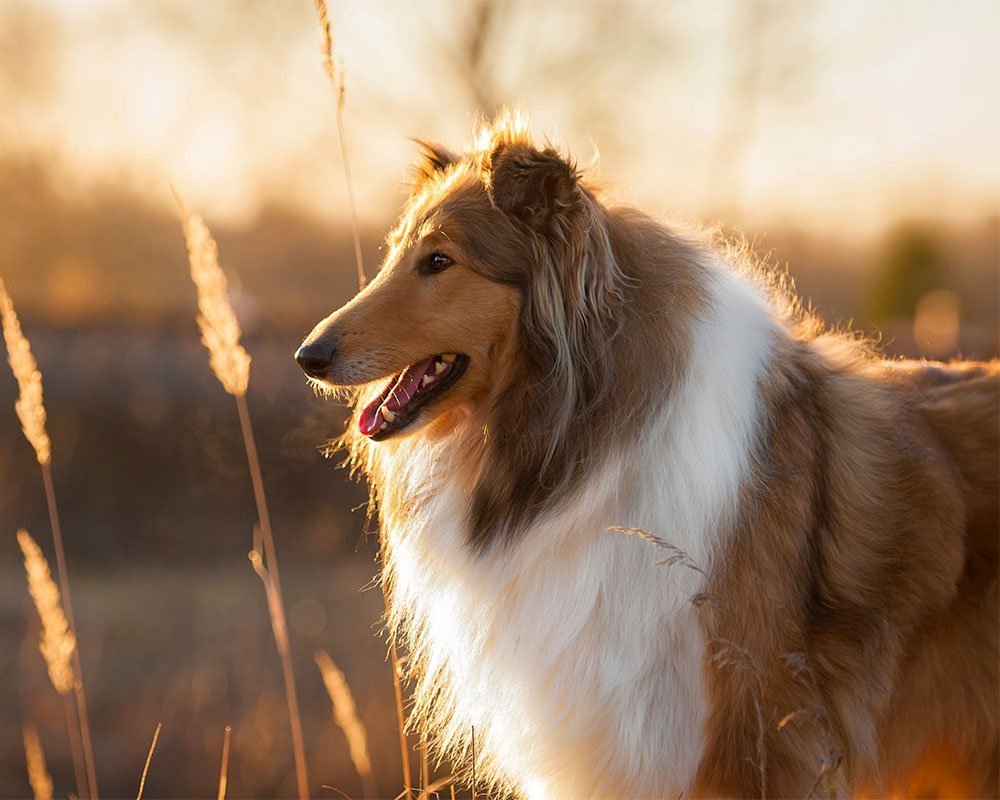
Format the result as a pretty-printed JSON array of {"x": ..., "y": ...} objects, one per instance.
[{"x": 528, "y": 182}]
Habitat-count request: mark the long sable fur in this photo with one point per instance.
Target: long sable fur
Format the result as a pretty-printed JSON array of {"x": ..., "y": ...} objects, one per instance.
[{"x": 851, "y": 615}]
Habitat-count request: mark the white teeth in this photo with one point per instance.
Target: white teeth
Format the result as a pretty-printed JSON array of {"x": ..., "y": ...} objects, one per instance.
[
  {"x": 388, "y": 415},
  {"x": 440, "y": 367},
  {"x": 427, "y": 380},
  {"x": 382, "y": 427},
  {"x": 449, "y": 357}
]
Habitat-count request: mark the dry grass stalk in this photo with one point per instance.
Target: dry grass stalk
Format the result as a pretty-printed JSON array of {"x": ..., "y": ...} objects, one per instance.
[
  {"x": 435, "y": 787},
  {"x": 264, "y": 564},
  {"x": 57, "y": 641},
  {"x": 220, "y": 330},
  {"x": 327, "y": 46},
  {"x": 336, "y": 76},
  {"x": 31, "y": 412},
  {"x": 58, "y": 647},
  {"x": 221, "y": 335},
  {"x": 827, "y": 772},
  {"x": 79, "y": 719},
  {"x": 404, "y": 745},
  {"x": 727, "y": 653},
  {"x": 830, "y": 765},
  {"x": 149, "y": 757},
  {"x": 345, "y": 713},
  {"x": 29, "y": 407},
  {"x": 224, "y": 768},
  {"x": 75, "y": 744},
  {"x": 677, "y": 556},
  {"x": 38, "y": 775},
  {"x": 397, "y": 685},
  {"x": 425, "y": 770},
  {"x": 730, "y": 654}
]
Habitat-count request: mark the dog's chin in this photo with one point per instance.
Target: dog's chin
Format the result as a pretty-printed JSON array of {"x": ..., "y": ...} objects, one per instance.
[{"x": 410, "y": 399}]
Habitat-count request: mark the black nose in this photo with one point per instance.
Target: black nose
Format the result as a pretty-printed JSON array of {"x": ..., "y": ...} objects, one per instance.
[{"x": 315, "y": 357}]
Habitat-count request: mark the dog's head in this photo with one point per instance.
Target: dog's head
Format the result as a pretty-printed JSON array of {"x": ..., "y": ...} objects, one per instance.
[
  {"x": 486, "y": 265},
  {"x": 513, "y": 297}
]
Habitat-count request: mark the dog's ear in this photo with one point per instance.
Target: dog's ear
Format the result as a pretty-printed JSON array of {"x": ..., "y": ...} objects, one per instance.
[
  {"x": 530, "y": 184},
  {"x": 433, "y": 158}
]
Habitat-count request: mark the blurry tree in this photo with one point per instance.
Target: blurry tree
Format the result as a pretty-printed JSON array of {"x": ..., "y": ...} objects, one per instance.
[
  {"x": 768, "y": 57},
  {"x": 30, "y": 43},
  {"x": 474, "y": 55},
  {"x": 912, "y": 265},
  {"x": 503, "y": 53}
]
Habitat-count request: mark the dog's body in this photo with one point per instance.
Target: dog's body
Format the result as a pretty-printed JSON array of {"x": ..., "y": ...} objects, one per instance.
[{"x": 821, "y": 613}]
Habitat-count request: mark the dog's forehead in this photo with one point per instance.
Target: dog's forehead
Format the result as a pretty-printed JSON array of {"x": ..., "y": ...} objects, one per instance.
[{"x": 455, "y": 205}]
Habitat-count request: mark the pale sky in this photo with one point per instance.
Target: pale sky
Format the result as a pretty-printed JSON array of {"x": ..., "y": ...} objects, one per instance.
[{"x": 864, "y": 112}]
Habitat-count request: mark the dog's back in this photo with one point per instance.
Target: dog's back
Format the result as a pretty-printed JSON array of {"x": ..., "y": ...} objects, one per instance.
[
  {"x": 962, "y": 405},
  {"x": 950, "y": 682}
]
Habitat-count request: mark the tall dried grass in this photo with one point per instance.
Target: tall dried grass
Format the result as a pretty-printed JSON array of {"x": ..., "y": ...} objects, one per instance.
[
  {"x": 425, "y": 768},
  {"x": 57, "y": 642},
  {"x": 31, "y": 412},
  {"x": 29, "y": 406},
  {"x": 266, "y": 569},
  {"x": 336, "y": 75},
  {"x": 345, "y": 713},
  {"x": 397, "y": 686},
  {"x": 220, "y": 331},
  {"x": 38, "y": 774},
  {"x": 149, "y": 758},
  {"x": 224, "y": 767}
]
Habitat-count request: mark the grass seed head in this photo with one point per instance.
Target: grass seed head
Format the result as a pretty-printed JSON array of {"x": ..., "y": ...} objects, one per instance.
[
  {"x": 324, "y": 29},
  {"x": 57, "y": 641},
  {"x": 333, "y": 72},
  {"x": 345, "y": 713},
  {"x": 38, "y": 775},
  {"x": 220, "y": 330},
  {"x": 29, "y": 407}
]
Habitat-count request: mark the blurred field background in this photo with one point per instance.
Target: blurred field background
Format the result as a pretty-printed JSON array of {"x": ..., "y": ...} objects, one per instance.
[{"x": 855, "y": 142}]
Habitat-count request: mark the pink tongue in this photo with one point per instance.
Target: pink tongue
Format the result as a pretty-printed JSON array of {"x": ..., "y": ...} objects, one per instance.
[
  {"x": 402, "y": 392},
  {"x": 371, "y": 418}
]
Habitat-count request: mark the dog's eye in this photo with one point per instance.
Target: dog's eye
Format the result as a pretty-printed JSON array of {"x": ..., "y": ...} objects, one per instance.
[{"x": 434, "y": 263}]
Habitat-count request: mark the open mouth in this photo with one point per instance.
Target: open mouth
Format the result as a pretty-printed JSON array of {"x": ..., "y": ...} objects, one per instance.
[{"x": 409, "y": 391}]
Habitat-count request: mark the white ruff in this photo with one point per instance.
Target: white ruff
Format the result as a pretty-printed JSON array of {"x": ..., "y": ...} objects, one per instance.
[{"x": 578, "y": 659}]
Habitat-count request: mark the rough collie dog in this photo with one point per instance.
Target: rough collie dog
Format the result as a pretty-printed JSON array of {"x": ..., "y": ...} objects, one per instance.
[{"x": 808, "y": 600}]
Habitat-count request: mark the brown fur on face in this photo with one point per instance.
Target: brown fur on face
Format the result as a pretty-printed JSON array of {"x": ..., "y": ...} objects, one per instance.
[{"x": 406, "y": 315}]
